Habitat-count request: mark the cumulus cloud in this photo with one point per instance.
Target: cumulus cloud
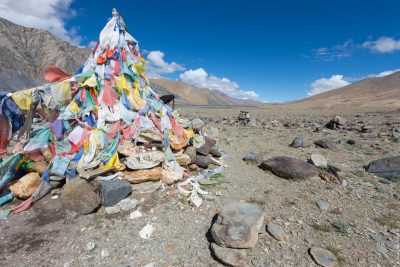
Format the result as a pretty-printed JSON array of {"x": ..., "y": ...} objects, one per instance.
[
  {"x": 200, "y": 78},
  {"x": 326, "y": 84},
  {"x": 383, "y": 45},
  {"x": 156, "y": 65},
  {"x": 42, "y": 14}
]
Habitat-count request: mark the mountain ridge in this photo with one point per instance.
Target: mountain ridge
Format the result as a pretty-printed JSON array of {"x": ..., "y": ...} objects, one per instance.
[{"x": 373, "y": 91}]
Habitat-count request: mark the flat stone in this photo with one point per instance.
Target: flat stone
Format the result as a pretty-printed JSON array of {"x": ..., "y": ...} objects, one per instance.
[
  {"x": 276, "y": 231},
  {"x": 297, "y": 142},
  {"x": 322, "y": 205},
  {"x": 91, "y": 174},
  {"x": 206, "y": 148},
  {"x": 388, "y": 168},
  {"x": 78, "y": 195},
  {"x": 238, "y": 225},
  {"x": 141, "y": 176},
  {"x": 289, "y": 168},
  {"x": 324, "y": 143},
  {"x": 323, "y": 257},
  {"x": 113, "y": 191},
  {"x": 253, "y": 158},
  {"x": 26, "y": 186},
  {"x": 229, "y": 256},
  {"x": 147, "y": 188},
  {"x": 202, "y": 161},
  {"x": 318, "y": 161},
  {"x": 150, "y": 136},
  {"x": 145, "y": 160}
]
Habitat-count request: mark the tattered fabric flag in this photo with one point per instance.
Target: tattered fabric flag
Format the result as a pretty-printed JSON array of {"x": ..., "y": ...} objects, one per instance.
[{"x": 54, "y": 74}]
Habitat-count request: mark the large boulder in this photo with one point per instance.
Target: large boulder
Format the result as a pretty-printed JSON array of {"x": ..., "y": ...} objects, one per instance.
[
  {"x": 289, "y": 168},
  {"x": 388, "y": 168},
  {"x": 237, "y": 225},
  {"x": 79, "y": 196},
  {"x": 113, "y": 191},
  {"x": 26, "y": 186}
]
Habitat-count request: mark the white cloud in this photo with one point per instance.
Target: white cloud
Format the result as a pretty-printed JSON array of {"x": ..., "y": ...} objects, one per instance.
[
  {"x": 383, "y": 45},
  {"x": 200, "y": 78},
  {"x": 92, "y": 44},
  {"x": 156, "y": 65},
  {"x": 337, "y": 52},
  {"x": 385, "y": 73},
  {"x": 42, "y": 14},
  {"x": 326, "y": 84}
]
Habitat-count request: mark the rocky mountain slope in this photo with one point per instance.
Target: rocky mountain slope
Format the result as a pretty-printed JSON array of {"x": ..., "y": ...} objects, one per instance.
[
  {"x": 190, "y": 95},
  {"x": 378, "y": 91},
  {"x": 27, "y": 52}
]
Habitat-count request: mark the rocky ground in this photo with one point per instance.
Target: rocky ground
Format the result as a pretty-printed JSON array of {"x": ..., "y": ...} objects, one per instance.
[{"x": 357, "y": 218}]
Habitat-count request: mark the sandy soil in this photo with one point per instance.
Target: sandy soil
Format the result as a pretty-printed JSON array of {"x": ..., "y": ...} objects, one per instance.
[{"x": 48, "y": 235}]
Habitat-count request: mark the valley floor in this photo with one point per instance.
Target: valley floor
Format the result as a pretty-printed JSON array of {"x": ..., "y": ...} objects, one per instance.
[{"x": 365, "y": 209}]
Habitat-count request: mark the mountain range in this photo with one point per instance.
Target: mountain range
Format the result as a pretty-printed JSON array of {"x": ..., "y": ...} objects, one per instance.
[{"x": 26, "y": 53}]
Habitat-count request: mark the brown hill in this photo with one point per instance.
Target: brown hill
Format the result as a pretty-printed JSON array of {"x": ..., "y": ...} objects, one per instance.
[
  {"x": 189, "y": 95},
  {"x": 371, "y": 92},
  {"x": 25, "y": 53}
]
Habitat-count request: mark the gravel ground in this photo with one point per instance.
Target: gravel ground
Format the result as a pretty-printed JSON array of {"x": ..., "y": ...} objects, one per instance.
[{"x": 365, "y": 209}]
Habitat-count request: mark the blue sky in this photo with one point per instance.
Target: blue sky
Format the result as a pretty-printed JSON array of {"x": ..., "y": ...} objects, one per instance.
[{"x": 268, "y": 50}]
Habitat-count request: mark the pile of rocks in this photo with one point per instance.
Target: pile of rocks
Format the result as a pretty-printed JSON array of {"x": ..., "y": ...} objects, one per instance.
[
  {"x": 235, "y": 231},
  {"x": 144, "y": 169}
]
